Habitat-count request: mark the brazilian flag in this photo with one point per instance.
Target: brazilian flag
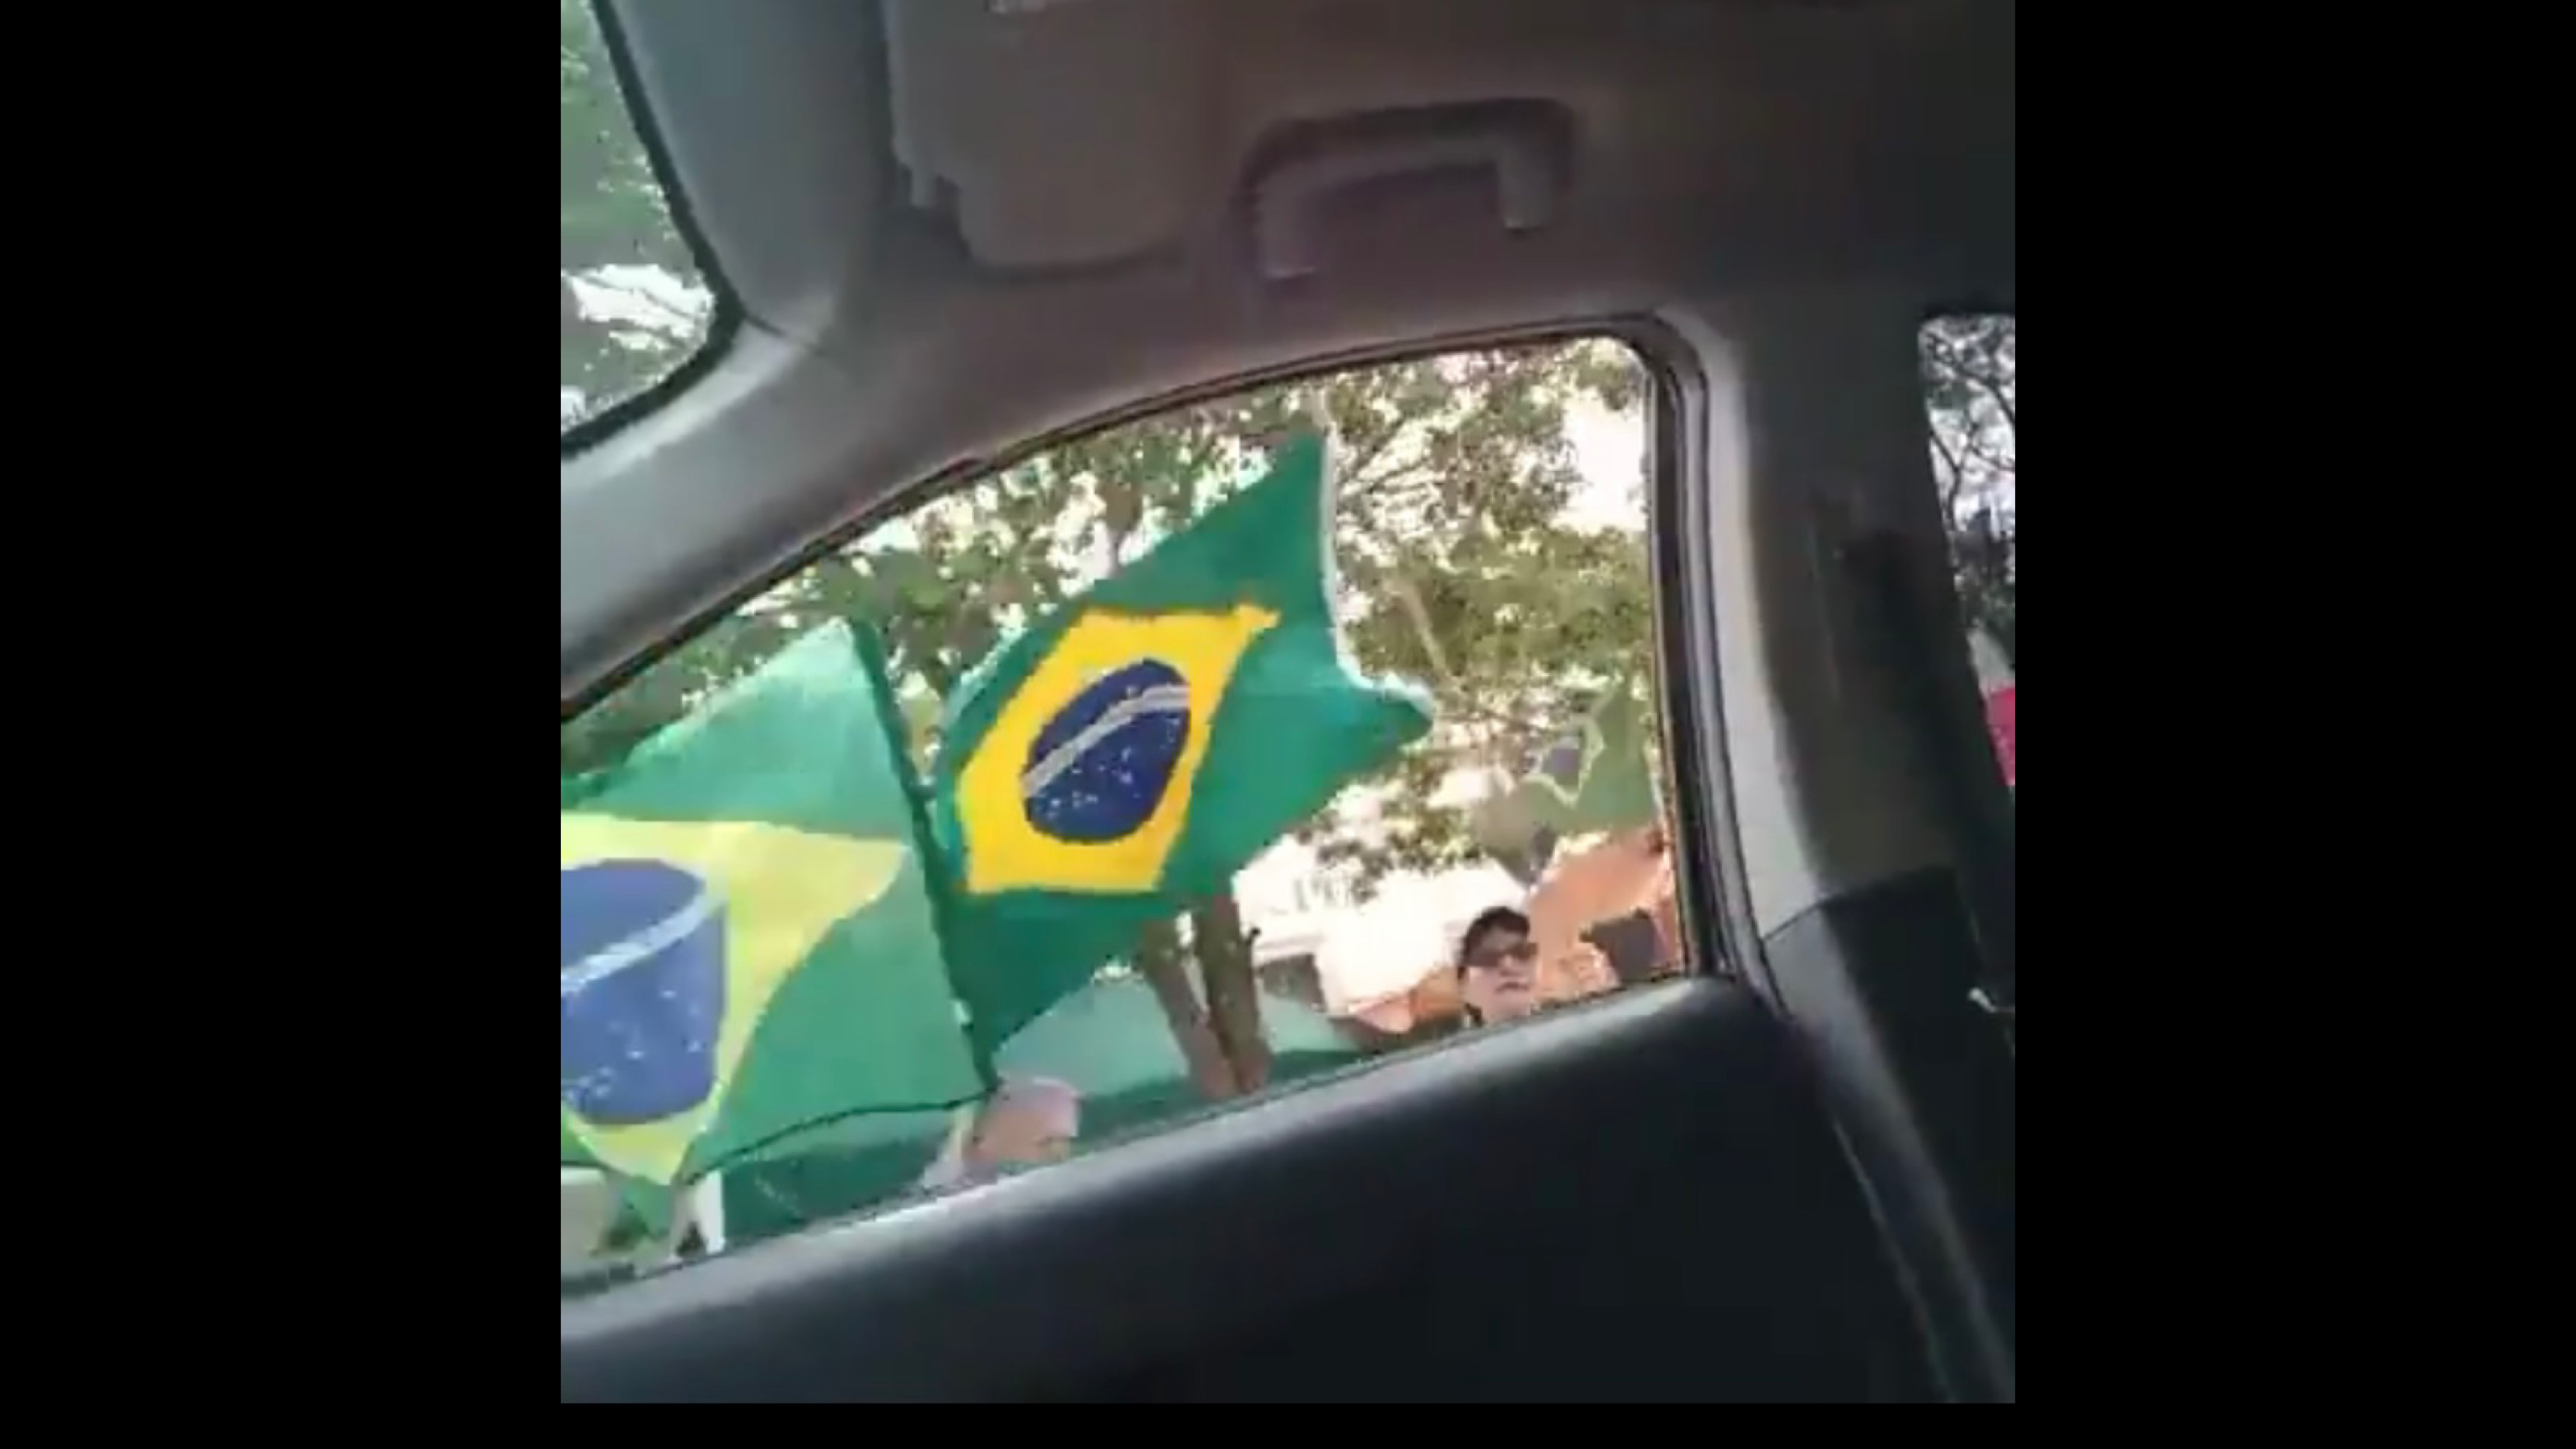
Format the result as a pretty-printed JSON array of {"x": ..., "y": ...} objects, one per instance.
[
  {"x": 750, "y": 946},
  {"x": 1134, "y": 749},
  {"x": 1597, "y": 779},
  {"x": 1594, "y": 779}
]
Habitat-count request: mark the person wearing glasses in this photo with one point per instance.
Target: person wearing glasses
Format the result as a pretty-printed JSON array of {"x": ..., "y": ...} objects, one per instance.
[{"x": 1498, "y": 968}]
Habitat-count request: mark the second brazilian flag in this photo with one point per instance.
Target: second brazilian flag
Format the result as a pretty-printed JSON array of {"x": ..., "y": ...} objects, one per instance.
[{"x": 1132, "y": 751}]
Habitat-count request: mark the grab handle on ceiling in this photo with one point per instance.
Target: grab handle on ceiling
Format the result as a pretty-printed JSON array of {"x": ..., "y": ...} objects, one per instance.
[{"x": 1523, "y": 148}]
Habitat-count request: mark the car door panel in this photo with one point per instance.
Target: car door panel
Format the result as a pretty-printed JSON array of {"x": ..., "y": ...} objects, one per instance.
[
  {"x": 1640, "y": 1200},
  {"x": 1924, "y": 1087}
]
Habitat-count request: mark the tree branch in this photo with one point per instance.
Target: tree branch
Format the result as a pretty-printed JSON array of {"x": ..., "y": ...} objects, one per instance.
[
  {"x": 1159, "y": 960},
  {"x": 1958, "y": 477},
  {"x": 1356, "y": 486},
  {"x": 1994, "y": 390},
  {"x": 1356, "y": 475},
  {"x": 1410, "y": 598}
]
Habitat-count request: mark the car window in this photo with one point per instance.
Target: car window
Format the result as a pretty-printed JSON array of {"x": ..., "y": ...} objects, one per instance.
[
  {"x": 1184, "y": 761},
  {"x": 634, "y": 300},
  {"x": 1968, "y": 384}
]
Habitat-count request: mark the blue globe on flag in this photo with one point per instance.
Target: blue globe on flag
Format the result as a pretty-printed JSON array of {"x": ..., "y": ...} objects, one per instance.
[
  {"x": 643, "y": 991},
  {"x": 1100, "y": 766}
]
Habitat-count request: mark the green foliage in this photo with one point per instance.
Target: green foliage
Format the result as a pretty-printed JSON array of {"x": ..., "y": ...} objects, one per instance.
[
  {"x": 1471, "y": 578},
  {"x": 642, "y": 313},
  {"x": 613, "y": 212},
  {"x": 1969, "y": 367},
  {"x": 1463, "y": 572}
]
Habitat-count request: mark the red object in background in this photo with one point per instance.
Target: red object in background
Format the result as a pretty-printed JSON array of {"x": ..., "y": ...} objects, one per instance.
[{"x": 1999, "y": 723}]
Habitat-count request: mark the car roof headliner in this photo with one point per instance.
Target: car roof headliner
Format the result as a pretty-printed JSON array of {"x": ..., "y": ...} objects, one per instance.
[{"x": 1084, "y": 250}]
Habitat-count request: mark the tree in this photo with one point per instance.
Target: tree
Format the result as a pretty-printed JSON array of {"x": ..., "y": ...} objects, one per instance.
[
  {"x": 1968, "y": 380},
  {"x": 628, "y": 297}
]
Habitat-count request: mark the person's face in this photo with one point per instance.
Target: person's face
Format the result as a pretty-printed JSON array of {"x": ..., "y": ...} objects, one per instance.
[{"x": 1501, "y": 976}]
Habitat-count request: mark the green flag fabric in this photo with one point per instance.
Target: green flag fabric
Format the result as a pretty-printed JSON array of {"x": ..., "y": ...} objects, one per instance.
[
  {"x": 1110, "y": 1041},
  {"x": 1610, "y": 785},
  {"x": 750, "y": 940},
  {"x": 1132, "y": 750}
]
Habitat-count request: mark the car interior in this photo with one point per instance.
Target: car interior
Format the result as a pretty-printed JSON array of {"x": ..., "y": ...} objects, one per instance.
[{"x": 944, "y": 234}]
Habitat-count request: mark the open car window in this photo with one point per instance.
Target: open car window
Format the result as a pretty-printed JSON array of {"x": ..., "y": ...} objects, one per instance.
[
  {"x": 1970, "y": 386},
  {"x": 635, "y": 300},
  {"x": 1970, "y": 366},
  {"x": 1219, "y": 751}
]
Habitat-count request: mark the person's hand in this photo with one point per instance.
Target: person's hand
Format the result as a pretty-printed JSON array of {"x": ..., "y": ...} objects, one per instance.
[
  {"x": 1575, "y": 972},
  {"x": 1027, "y": 1122},
  {"x": 1619, "y": 876}
]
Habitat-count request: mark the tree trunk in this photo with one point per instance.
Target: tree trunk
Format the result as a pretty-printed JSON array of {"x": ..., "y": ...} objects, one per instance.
[
  {"x": 1233, "y": 991},
  {"x": 1166, "y": 969}
]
